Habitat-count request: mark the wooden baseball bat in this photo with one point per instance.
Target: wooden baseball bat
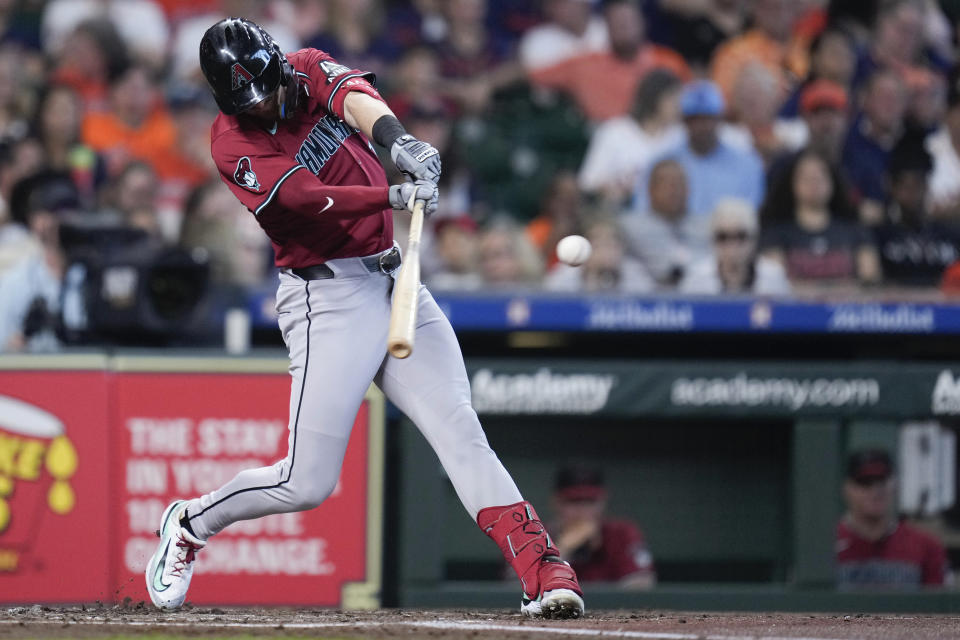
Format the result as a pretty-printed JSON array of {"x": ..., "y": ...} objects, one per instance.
[{"x": 403, "y": 313}]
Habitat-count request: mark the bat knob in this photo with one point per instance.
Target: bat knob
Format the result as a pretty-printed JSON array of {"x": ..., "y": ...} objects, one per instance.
[{"x": 399, "y": 349}]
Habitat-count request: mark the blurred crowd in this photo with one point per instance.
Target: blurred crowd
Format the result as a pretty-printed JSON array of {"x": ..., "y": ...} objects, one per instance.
[{"x": 769, "y": 147}]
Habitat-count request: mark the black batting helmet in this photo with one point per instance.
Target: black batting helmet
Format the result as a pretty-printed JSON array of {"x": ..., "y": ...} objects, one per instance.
[{"x": 243, "y": 65}]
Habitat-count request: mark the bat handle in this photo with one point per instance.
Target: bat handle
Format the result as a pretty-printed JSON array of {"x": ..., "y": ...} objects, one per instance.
[
  {"x": 403, "y": 313},
  {"x": 416, "y": 226}
]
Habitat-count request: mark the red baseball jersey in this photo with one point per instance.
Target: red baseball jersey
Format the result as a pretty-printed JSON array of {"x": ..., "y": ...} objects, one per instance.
[
  {"x": 313, "y": 182},
  {"x": 906, "y": 558},
  {"x": 622, "y": 552}
]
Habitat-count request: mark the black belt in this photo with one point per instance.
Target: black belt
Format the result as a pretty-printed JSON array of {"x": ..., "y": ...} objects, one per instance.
[{"x": 384, "y": 262}]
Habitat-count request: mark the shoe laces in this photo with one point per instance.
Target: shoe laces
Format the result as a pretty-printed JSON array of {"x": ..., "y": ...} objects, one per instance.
[{"x": 186, "y": 557}]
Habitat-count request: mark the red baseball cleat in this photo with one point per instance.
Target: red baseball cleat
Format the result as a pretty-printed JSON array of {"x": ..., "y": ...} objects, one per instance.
[{"x": 550, "y": 587}]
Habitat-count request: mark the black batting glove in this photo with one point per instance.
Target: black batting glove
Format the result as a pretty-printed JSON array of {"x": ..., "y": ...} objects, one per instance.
[
  {"x": 416, "y": 158},
  {"x": 403, "y": 196}
]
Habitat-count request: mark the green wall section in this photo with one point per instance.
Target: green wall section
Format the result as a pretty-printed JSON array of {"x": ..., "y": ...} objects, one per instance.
[
  {"x": 738, "y": 500},
  {"x": 817, "y": 460},
  {"x": 712, "y": 499}
]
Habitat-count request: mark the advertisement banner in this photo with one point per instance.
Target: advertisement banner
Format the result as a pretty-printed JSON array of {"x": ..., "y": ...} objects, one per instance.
[
  {"x": 182, "y": 435},
  {"x": 714, "y": 389},
  {"x": 54, "y": 502},
  {"x": 658, "y": 314}
]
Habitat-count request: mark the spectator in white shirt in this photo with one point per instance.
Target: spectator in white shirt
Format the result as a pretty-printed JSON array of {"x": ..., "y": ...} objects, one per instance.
[
  {"x": 735, "y": 267},
  {"x": 944, "y": 146},
  {"x": 571, "y": 29},
  {"x": 30, "y": 291},
  {"x": 621, "y": 148},
  {"x": 141, "y": 23},
  {"x": 665, "y": 238}
]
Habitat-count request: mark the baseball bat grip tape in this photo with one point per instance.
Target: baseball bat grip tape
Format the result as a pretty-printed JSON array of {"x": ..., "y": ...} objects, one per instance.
[{"x": 403, "y": 313}]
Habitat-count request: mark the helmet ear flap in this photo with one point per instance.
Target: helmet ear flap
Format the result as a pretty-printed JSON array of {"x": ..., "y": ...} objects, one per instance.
[
  {"x": 291, "y": 88},
  {"x": 286, "y": 69},
  {"x": 288, "y": 80}
]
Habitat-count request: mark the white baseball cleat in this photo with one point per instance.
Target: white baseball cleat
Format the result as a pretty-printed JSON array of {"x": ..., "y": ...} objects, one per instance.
[
  {"x": 171, "y": 567},
  {"x": 561, "y": 603},
  {"x": 556, "y": 604},
  {"x": 560, "y": 598}
]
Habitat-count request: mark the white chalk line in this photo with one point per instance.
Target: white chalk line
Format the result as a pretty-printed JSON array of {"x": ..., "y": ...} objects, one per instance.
[
  {"x": 608, "y": 633},
  {"x": 465, "y": 625}
]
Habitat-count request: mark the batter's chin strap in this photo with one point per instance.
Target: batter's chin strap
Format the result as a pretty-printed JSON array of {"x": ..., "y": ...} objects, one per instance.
[{"x": 290, "y": 96}]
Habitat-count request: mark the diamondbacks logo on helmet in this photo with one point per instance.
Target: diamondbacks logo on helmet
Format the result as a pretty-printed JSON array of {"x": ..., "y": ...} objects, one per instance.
[
  {"x": 240, "y": 76},
  {"x": 244, "y": 175}
]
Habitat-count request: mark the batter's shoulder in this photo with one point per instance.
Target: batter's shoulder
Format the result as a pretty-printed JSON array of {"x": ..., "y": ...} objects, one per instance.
[
  {"x": 327, "y": 82},
  {"x": 228, "y": 130},
  {"x": 224, "y": 125},
  {"x": 315, "y": 63}
]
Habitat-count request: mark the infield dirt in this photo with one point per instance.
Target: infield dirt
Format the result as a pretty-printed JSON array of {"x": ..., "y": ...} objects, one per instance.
[{"x": 138, "y": 619}]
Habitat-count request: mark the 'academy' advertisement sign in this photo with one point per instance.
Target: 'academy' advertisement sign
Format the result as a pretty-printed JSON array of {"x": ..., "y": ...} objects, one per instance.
[
  {"x": 789, "y": 393},
  {"x": 543, "y": 391},
  {"x": 665, "y": 388}
]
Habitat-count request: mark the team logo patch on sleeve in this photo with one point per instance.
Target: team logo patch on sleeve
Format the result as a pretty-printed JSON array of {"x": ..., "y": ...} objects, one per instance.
[
  {"x": 332, "y": 70},
  {"x": 244, "y": 175},
  {"x": 240, "y": 76}
]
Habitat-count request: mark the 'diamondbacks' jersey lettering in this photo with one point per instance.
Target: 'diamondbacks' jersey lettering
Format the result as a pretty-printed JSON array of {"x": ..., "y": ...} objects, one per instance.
[
  {"x": 906, "y": 558},
  {"x": 322, "y": 142},
  {"x": 879, "y": 572}
]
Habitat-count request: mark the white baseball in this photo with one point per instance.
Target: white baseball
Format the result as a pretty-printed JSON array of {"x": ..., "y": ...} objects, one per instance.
[{"x": 573, "y": 250}]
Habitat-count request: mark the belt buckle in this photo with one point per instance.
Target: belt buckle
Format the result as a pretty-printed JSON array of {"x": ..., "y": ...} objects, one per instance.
[{"x": 390, "y": 261}]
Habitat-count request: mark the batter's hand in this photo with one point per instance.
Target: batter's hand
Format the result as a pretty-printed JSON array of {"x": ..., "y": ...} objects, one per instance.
[
  {"x": 416, "y": 158},
  {"x": 402, "y": 196}
]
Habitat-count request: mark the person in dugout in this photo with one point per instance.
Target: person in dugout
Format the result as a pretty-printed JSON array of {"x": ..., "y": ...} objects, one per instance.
[
  {"x": 875, "y": 549},
  {"x": 599, "y": 548}
]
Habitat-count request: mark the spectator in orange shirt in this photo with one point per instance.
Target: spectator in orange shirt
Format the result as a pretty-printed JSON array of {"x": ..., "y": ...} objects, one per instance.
[
  {"x": 753, "y": 114},
  {"x": 179, "y": 9},
  {"x": 136, "y": 126},
  {"x": 603, "y": 84},
  {"x": 767, "y": 44}
]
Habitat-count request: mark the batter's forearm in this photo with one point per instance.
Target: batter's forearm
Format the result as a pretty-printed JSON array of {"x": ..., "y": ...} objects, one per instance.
[
  {"x": 361, "y": 111},
  {"x": 305, "y": 195},
  {"x": 413, "y": 157}
]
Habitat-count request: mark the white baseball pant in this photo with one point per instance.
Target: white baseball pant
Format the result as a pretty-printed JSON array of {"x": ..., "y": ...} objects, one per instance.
[{"x": 336, "y": 333}]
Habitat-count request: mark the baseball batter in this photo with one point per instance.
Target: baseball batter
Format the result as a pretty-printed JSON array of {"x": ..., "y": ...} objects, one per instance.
[{"x": 292, "y": 143}]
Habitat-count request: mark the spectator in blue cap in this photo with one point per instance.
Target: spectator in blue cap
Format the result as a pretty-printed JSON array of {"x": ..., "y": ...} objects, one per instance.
[{"x": 715, "y": 170}]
